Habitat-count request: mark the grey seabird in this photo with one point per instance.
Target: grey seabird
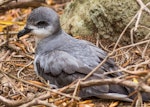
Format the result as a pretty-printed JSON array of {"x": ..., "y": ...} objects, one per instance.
[{"x": 62, "y": 59}]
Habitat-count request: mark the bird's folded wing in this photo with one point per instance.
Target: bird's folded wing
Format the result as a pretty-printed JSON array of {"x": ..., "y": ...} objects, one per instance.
[
  {"x": 57, "y": 62},
  {"x": 109, "y": 65}
]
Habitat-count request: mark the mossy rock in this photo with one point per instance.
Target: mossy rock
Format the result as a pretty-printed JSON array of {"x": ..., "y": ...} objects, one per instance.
[{"x": 107, "y": 18}]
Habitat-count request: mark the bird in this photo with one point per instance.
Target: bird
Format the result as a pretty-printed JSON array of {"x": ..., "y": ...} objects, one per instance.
[{"x": 63, "y": 59}]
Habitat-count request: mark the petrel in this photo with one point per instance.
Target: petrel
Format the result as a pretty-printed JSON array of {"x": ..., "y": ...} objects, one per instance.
[{"x": 62, "y": 59}]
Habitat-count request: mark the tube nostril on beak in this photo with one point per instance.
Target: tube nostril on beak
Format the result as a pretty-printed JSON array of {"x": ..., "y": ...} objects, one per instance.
[{"x": 23, "y": 32}]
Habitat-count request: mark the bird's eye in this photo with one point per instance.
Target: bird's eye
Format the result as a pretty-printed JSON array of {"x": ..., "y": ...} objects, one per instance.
[{"x": 42, "y": 24}]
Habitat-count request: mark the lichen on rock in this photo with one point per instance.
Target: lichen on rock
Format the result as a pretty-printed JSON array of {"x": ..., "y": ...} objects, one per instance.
[{"x": 107, "y": 18}]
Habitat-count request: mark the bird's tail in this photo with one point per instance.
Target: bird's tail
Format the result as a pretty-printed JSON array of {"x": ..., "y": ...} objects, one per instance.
[
  {"x": 125, "y": 93},
  {"x": 115, "y": 92}
]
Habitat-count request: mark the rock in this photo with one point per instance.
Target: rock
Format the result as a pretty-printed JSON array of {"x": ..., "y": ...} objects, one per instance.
[{"x": 106, "y": 18}]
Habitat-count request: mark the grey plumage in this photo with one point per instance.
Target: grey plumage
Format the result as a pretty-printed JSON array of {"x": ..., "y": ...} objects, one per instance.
[{"x": 62, "y": 59}]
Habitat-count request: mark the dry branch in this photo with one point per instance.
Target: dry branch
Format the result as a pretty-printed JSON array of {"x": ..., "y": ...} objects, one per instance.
[
  {"x": 45, "y": 88},
  {"x": 127, "y": 83},
  {"x": 13, "y": 103},
  {"x": 37, "y": 100},
  {"x": 20, "y": 4},
  {"x": 3, "y": 2}
]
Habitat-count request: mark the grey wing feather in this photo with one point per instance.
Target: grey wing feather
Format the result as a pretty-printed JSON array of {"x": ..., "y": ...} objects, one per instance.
[
  {"x": 54, "y": 65},
  {"x": 57, "y": 62},
  {"x": 91, "y": 55},
  {"x": 109, "y": 65}
]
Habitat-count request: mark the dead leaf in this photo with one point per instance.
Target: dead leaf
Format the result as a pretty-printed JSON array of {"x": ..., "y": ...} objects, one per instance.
[
  {"x": 2, "y": 22},
  {"x": 114, "y": 104},
  {"x": 135, "y": 80},
  {"x": 86, "y": 103},
  {"x": 126, "y": 63},
  {"x": 37, "y": 83},
  {"x": 21, "y": 46}
]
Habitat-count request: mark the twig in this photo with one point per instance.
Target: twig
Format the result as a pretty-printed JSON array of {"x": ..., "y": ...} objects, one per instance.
[
  {"x": 132, "y": 45},
  {"x": 145, "y": 48},
  {"x": 76, "y": 88},
  {"x": 5, "y": 56},
  {"x": 13, "y": 85},
  {"x": 138, "y": 19},
  {"x": 139, "y": 64},
  {"x": 123, "y": 82},
  {"x": 21, "y": 4},
  {"x": 11, "y": 33},
  {"x": 139, "y": 101},
  {"x": 96, "y": 68},
  {"x": 3, "y": 43},
  {"x": 12, "y": 60},
  {"x": 3, "y": 2},
  {"x": 13, "y": 103},
  {"x": 104, "y": 48},
  {"x": 18, "y": 73},
  {"x": 38, "y": 101},
  {"x": 143, "y": 6},
  {"x": 138, "y": 14},
  {"x": 134, "y": 72},
  {"x": 124, "y": 31},
  {"x": 48, "y": 89},
  {"x": 146, "y": 78}
]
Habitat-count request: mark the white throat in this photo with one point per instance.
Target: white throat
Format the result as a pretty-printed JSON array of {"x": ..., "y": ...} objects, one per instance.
[{"x": 41, "y": 33}]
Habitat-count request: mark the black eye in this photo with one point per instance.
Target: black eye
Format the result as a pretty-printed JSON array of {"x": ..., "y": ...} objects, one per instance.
[{"x": 42, "y": 24}]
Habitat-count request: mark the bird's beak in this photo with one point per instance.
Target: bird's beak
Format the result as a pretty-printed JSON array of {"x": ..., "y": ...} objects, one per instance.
[{"x": 23, "y": 32}]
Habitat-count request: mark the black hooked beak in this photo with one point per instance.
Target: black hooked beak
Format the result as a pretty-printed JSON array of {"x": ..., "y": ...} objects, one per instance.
[{"x": 23, "y": 32}]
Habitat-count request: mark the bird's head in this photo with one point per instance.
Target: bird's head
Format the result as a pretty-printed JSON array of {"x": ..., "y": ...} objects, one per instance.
[{"x": 42, "y": 22}]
